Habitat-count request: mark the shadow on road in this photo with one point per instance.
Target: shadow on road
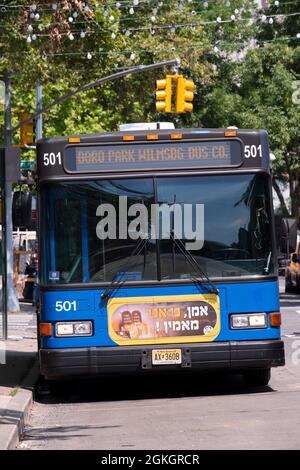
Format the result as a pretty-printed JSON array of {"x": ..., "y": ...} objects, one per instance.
[
  {"x": 61, "y": 432},
  {"x": 144, "y": 388},
  {"x": 292, "y": 303}
]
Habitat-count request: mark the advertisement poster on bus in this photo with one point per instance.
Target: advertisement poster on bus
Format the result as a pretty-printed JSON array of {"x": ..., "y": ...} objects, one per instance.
[{"x": 164, "y": 320}]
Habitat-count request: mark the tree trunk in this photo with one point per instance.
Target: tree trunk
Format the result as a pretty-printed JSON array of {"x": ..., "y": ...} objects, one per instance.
[
  {"x": 284, "y": 210},
  {"x": 295, "y": 194}
]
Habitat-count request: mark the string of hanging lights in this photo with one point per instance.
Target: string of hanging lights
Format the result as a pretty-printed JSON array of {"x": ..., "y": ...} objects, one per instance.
[{"x": 81, "y": 26}]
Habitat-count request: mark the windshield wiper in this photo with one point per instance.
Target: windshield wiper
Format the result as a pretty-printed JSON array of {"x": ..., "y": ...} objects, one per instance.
[
  {"x": 195, "y": 265},
  {"x": 118, "y": 281},
  {"x": 267, "y": 267}
]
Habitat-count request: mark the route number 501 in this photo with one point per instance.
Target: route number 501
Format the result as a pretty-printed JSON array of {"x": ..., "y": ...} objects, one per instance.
[
  {"x": 66, "y": 306},
  {"x": 52, "y": 158},
  {"x": 252, "y": 151}
]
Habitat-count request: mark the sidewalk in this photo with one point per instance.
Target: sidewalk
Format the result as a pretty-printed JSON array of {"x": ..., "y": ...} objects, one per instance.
[{"x": 17, "y": 375}]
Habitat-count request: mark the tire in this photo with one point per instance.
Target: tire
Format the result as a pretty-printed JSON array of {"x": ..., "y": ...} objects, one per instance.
[
  {"x": 288, "y": 283},
  {"x": 288, "y": 288},
  {"x": 257, "y": 378},
  {"x": 57, "y": 387}
]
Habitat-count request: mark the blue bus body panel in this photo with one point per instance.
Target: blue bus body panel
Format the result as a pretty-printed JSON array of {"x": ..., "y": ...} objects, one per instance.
[{"x": 245, "y": 297}]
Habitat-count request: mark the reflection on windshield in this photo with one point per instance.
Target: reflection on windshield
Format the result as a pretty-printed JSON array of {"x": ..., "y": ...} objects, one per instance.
[{"x": 237, "y": 229}]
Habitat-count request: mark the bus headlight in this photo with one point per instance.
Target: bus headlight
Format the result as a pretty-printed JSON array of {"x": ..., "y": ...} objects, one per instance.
[
  {"x": 249, "y": 320},
  {"x": 82, "y": 328}
]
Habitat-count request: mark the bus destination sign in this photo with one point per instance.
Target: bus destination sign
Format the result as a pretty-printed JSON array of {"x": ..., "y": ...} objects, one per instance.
[{"x": 142, "y": 156}]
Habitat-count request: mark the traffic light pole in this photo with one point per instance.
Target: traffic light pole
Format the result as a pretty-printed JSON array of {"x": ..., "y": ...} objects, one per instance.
[
  {"x": 9, "y": 297},
  {"x": 88, "y": 86},
  {"x": 39, "y": 110},
  {"x": 7, "y": 120}
]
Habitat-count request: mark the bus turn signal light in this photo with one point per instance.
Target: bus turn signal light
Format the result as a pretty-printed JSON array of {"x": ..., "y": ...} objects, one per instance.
[
  {"x": 275, "y": 319},
  {"x": 176, "y": 136},
  {"x": 230, "y": 134},
  {"x": 152, "y": 137},
  {"x": 45, "y": 329},
  {"x": 73, "y": 140},
  {"x": 127, "y": 138}
]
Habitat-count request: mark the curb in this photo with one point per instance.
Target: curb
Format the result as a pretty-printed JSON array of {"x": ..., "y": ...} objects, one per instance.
[{"x": 16, "y": 416}]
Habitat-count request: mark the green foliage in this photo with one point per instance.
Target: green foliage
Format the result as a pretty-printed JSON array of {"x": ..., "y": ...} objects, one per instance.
[
  {"x": 62, "y": 64},
  {"x": 244, "y": 70},
  {"x": 257, "y": 92}
]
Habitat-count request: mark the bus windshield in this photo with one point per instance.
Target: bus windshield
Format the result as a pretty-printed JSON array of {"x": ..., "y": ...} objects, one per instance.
[{"x": 236, "y": 225}]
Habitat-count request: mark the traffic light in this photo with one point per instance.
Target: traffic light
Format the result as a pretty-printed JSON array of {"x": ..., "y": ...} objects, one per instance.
[
  {"x": 184, "y": 95},
  {"x": 27, "y": 130},
  {"x": 21, "y": 209},
  {"x": 164, "y": 94},
  {"x": 9, "y": 165}
]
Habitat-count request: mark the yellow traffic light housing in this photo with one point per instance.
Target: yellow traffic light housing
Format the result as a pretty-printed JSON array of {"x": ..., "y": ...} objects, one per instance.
[
  {"x": 164, "y": 94},
  {"x": 27, "y": 130},
  {"x": 184, "y": 95}
]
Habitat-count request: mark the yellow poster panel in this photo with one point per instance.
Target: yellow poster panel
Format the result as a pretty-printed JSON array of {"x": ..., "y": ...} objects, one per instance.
[{"x": 168, "y": 319}]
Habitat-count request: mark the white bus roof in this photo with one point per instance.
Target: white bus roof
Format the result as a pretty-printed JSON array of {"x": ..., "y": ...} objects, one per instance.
[{"x": 146, "y": 126}]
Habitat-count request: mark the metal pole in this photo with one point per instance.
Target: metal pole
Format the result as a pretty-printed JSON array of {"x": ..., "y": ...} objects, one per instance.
[
  {"x": 39, "y": 111},
  {"x": 38, "y": 136},
  {"x": 7, "y": 229},
  {"x": 7, "y": 126},
  {"x": 9, "y": 297},
  {"x": 3, "y": 255},
  {"x": 109, "y": 78}
]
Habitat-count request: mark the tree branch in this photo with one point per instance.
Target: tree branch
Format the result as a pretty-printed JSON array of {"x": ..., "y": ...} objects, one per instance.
[{"x": 284, "y": 209}]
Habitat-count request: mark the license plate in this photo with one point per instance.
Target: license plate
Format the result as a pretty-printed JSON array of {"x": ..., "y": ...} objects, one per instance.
[{"x": 166, "y": 356}]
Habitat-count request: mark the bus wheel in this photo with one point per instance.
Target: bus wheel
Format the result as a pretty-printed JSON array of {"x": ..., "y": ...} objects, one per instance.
[
  {"x": 287, "y": 289},
  {"x": 56, "y": 387},
  {"x": 257, "y": 378}
]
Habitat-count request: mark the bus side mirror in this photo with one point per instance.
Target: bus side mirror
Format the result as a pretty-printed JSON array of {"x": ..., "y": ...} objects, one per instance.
[{"x": 288, "y": 235}]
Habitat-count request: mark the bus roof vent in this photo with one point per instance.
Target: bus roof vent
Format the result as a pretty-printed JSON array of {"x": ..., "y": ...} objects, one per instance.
[{"x": 146, "y": 126}]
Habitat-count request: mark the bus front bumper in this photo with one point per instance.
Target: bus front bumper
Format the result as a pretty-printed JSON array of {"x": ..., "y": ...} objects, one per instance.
[{"x": 231, "y": 356}]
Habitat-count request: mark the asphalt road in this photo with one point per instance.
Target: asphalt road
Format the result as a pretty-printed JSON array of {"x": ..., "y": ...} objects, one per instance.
[{"x": 207, "y": 412}]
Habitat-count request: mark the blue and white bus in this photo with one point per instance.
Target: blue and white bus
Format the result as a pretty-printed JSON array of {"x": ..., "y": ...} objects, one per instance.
[{"x": 133, "y": 300}]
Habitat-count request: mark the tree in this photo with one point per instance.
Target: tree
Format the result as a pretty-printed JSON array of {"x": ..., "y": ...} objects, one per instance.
[
  {"x": 285, "y": 31},
  {"x": 259, "y": 92},
  {"x": 39, "y": 42}
]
